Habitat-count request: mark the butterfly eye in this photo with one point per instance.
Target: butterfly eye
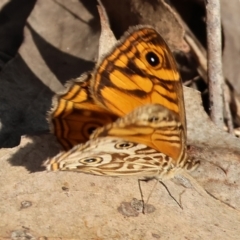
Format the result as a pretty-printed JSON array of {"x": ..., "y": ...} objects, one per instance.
[
  {"x": 153, "y": 119},
  {"x": 152, "y": 59},
  {"x": 90, "y": 160},
  {"x": 124, "y": 145}
]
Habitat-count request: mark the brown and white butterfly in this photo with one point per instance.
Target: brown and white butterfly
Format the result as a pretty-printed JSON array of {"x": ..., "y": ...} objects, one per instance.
[
  {"x": 109, "y": 151},
  {"x": 131, "y": 137}
]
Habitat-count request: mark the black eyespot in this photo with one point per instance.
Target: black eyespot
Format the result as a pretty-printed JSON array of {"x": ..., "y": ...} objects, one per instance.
[
  {"x": 124, "y": 145},
  {"x": 167, "y": 158},
  {"x": 153, "y": 119},
  {"x": 90, "y": 160},
  {"x": 152, "y": 59},
  {"x": 91, "y": 130}
]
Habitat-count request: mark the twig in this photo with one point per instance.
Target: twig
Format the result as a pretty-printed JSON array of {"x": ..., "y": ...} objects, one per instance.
[
  {"x": 200, "y": 54},
  {"x": 107, "y": 38},
  {"x": 226, "y": 93},
  {"x": 191, "y": 81},
  {"x": 215, "y": 75}
]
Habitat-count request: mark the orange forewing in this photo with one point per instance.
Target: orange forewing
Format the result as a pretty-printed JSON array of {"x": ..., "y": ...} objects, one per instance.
[
  {"x": 140, "y": 70},
  {"x": 74, "y": 115}
]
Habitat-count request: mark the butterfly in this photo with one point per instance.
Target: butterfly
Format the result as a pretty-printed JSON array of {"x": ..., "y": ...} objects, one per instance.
[
  {"x": 109, "y": 154},
  {"x": 140, "y": 69}
]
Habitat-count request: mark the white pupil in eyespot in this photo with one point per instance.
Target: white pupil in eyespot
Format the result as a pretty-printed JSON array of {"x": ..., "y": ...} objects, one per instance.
[
  {"x": 90, "y": 160},
  {"x": 153, "y": 119},
  {"x": 124, "y": 145},
  {"x": 152, "y": 59}
]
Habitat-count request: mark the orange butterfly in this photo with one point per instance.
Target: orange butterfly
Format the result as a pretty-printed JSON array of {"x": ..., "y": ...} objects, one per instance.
[{"x": 140, "y": 69}]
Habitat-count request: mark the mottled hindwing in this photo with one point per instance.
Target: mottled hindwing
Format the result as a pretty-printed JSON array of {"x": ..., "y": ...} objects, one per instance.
[
  {"x": 74, "y": 115},
  {"x": 153, "y": 125},
  {"x": 113, "y": 157}
]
